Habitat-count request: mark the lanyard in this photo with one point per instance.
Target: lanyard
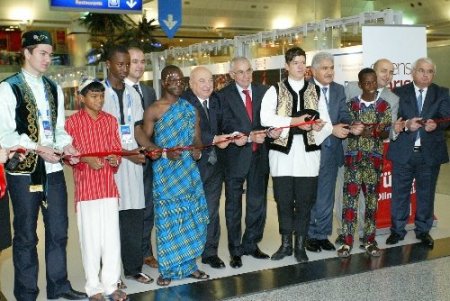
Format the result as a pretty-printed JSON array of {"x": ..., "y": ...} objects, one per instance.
[{"x": 117, "y": 104}]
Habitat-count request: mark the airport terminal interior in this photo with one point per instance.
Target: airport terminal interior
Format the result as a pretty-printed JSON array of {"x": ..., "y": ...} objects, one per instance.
[{"x": 406, "y": 271}]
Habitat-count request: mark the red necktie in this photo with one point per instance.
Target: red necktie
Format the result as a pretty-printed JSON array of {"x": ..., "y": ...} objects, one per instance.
[
  {"x": 249, "y": 109},
  {"x": 2, "y": 181}
]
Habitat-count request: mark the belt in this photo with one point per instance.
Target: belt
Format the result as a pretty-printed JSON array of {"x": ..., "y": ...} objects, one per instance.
[{"x": 417, "y": 149}]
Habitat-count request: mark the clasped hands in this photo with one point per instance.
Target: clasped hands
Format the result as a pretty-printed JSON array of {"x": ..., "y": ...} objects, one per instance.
[
  {"x": 414, "y": 124},
  {"x": 303, "y": 124}
]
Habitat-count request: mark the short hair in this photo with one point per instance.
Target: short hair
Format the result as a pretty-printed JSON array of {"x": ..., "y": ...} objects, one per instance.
[
  {"x": 364, "y": 72},
  {"x": 319, "y": 57},
  {"x": 238, "y": 59},
  {"x": 424, "y": 60},
  {"x": 135, "y": 48},
  {"x": 115, "y": 49},
  {"x": 169, "y": 68},
  {"x": 95, "y": 86},
  {"x": 292, "y": 53}
]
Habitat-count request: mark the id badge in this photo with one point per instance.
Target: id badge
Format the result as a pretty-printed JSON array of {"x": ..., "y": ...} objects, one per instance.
[
  {"x": 125, "y": 133},
  {"x": 47, "y": 129}
]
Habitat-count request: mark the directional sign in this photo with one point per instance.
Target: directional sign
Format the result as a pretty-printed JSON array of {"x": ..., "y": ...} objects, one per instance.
[
  {"x": 169, "y": 16},
  {"x": 103, "y": 6}
]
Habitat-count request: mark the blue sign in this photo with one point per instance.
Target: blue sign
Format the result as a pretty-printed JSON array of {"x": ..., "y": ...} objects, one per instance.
[
  {"x": 103, "y": 6},
  {"x": 169, "y": 16}
]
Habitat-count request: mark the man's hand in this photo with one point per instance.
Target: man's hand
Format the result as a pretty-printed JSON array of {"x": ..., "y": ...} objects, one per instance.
[
  {"x": 258, "y": 136},
  {"x": 430, "y": 125},
  {"x": 113, "y": 160},
  {"x": 196, "y": 154},
  {"x": 222, "y": 141},
  {"x": 239, "y": 138},
  {"x": 174, "y": 154},
  {"x": 274, "y": 133},
  {"x": 72, "y": 153},
  {"x": 94, "y": 162},
  {"x": 48, "y": 154},
  {"x": 137, "y": 159},
  {"x": 399, "y": 125},
  {"x": 414, "y": 124},
  {"x": 153, "y": 152},
  {"x": 356, "y": 128},
  {"x": 301, "y": 119},
  {"x": 341, "y": 130},
  {"x": 318, "y": 125}
]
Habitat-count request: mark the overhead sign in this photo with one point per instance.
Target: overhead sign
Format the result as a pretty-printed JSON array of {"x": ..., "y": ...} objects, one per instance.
[
  {"x": 101, "y": 6},
  {"x": 169, "y": 16}
]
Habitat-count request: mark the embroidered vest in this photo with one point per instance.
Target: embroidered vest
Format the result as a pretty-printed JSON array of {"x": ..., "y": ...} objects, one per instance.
[
  {"x": 287, "y": 104},
  {"x": 27, "y": 115}
]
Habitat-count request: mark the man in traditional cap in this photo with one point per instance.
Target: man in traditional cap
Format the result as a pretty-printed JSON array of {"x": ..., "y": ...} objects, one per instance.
[{"x": 33, "y": 117}]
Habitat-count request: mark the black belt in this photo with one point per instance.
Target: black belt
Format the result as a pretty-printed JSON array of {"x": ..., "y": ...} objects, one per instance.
[{"x": 417, "y": 149}]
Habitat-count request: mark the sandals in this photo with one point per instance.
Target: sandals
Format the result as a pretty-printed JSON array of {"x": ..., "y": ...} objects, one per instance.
[
  {"x": 199, "y": 275},
  {"x": 344, "y": 251},
  {"x": 141, "y": 277},
  {"x": 372, "y": 249},
  {"x": 118, "y": 295},
  {"x": 121, "y": 285},
  {"x": 161, "y": 281},
  {"x": 97, "y": 297}
]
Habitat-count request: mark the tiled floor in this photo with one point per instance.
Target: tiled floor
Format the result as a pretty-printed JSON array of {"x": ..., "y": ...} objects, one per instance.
[{"x": 231, "y": 286}]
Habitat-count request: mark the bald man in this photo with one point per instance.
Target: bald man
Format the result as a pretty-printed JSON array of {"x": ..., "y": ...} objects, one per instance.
[{"x": 202, "y": 97}]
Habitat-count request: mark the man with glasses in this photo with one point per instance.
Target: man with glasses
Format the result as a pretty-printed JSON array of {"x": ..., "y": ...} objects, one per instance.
[
  {"x": 418, "y": 151},
  {"x": 245, "y": 161}
]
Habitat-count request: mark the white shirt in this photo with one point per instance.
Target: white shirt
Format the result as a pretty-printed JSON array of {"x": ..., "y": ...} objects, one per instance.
[
  {"x": 298, "y": 162},
  {"x": 9, "y": 137},
  {"x": 129, "y": 177}
]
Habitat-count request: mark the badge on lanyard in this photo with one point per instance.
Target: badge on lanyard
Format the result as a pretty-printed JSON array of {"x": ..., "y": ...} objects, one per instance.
[
  {"x": 47, "y": 129},
  {"x": 125, "y": 133}
]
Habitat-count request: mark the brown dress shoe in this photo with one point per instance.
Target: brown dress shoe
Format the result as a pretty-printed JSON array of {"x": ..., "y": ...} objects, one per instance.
[{"x": 151, "y": 262}]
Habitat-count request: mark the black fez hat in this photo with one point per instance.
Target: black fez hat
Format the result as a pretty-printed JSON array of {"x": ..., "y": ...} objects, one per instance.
[{"x": 35, "y": 37}]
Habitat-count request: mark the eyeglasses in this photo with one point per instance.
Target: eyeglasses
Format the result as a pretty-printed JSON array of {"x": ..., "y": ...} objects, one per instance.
[
  {"x": 425, "y": 71},
  {"x": 249, "y": 71}
]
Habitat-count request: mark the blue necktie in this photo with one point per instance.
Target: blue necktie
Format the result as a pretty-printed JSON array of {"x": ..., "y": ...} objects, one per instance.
[
  {"x": 324, "y": 90},
  {"x": 419, "y": 107}
]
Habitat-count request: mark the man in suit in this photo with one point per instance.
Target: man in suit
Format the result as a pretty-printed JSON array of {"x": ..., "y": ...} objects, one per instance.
[
  {"x": 245, "y": 161},
  {"x": 332, "y": 154},
  {"x": 418, "y": 151},
  {"x": 148, "y": 96},
  {"x": 203, "y": 98}
]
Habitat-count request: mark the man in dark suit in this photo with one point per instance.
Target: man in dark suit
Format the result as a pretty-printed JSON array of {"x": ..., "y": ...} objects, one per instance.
[
  {"x": 332, "y": 154},
  {"x": 148, "y": 96},
  {"x": 202, "y": 97},
  {"x": 418, "y": 151},
  {"x": 241, "y": 102}
]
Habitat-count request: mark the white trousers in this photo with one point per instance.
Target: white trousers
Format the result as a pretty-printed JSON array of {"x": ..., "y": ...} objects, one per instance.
[{"x": 98, "y": 227}]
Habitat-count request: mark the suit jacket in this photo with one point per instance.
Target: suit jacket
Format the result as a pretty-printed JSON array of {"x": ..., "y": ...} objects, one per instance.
[
  {"x": 434, "y": 146},
  {"x": 352, "y": 90},
  {"x": 209, "y": 127},
  {"x": 149, "y": 95},
  {"x": 338, "y": 110},
  {"x": 235, "y": 118}
]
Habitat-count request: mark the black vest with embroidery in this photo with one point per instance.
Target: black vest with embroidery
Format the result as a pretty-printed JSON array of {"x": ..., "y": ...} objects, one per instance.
[
  {"x": 27, "y": 121},
  {"x": 287, "y": 104}
]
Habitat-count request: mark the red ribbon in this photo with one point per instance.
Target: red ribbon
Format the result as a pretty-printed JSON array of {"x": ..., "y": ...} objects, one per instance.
[{"x": 2, "y": 181}]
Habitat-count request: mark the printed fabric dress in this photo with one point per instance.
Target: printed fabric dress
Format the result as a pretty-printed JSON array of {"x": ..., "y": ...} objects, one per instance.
[{"x": 181, "y": 212}]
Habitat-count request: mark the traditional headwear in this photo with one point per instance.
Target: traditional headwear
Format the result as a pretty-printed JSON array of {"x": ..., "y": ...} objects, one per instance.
[
  {"x": 86, "y": 81},
  {"x": 35, "y": 37}
]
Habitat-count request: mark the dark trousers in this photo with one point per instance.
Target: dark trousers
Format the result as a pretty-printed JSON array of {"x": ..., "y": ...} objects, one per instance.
[
  {"x": 149, "y": 213},
  {"x": 131, "y": 225},
  {"x": 402, "y": 179},
  {"x": 321, "y": 224},
  {"x": 212, "y": 178},
  {"x": 5, "y": 223},
  {"x": 295, "y": 197},
  {"x": 26, "y": 207},
  {"x": 255, "y": 209}
]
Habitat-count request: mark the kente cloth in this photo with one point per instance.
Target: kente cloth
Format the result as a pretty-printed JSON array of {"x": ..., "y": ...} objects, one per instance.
[{"x": 181, "y": 213}]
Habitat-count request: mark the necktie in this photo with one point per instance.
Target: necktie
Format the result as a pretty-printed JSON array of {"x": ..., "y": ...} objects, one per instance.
[
  {"x": 205, "y": 107},
  {"x": 419, "y": 107},
  {"x": 136, "y": 86},
  {"x": 248, "y": 104},
  {"x": 420, "y": 100},
  {"x": 249, "y": 109},
  {"x": 324, "y": 90}
]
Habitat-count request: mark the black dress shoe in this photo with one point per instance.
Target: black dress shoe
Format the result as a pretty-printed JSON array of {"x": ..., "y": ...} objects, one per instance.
[
  {"x": 393, "y": 239},
  {"x": 426, "y": 239},
  {"x": 235, "y": 262},
  {"x": 72, "y": 294},
  {"x": 313, "y": 245},
  {"x": 326, "y": 245},
  {"x": 214, "y": 261},
  {"x": 257, "y": 253}
]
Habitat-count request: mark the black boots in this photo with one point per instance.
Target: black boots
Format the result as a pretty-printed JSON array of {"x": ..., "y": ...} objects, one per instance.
[
  {"x": 299, "y": 249},
  {"x": 285, "y": 248}
]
